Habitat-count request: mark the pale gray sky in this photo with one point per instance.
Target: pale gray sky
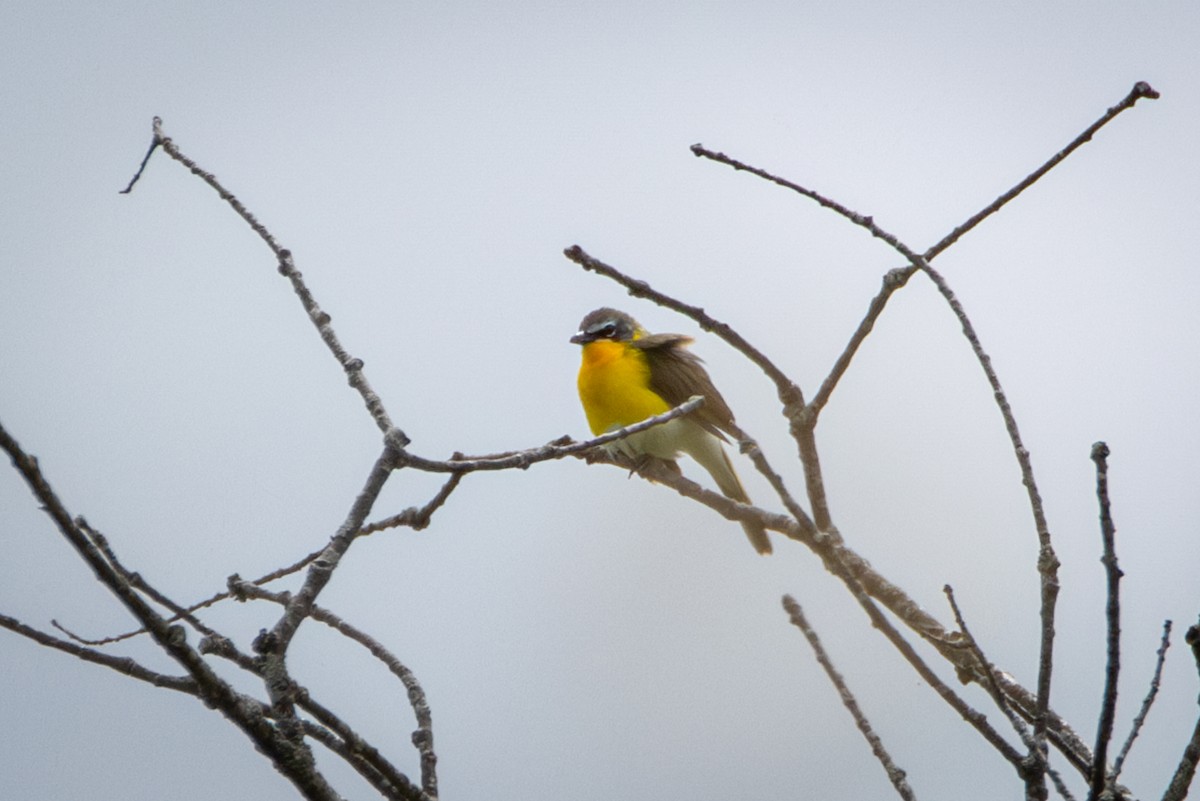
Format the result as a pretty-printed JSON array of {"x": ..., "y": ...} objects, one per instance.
[{"x": 580, "y": 635}]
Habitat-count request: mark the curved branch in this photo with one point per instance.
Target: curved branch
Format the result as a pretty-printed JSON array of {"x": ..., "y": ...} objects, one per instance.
[
  {"x": 1140, "y": 90},
  {"x": 287, "y": 268},
  {"x": 423, "y": 737},
  {"x": 895, "y": 775}
]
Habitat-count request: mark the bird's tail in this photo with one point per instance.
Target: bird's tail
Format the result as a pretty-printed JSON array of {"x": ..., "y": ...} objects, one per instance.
[{"x": 731, "y": 487}]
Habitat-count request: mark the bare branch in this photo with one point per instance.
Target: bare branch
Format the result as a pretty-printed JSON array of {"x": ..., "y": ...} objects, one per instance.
[
  {"x": 155, "y": 141},
  {"x": 207, "y": 602},
  {"x": 895, "y": 775},
  {"x": 1147, "y": 702},
  {"x": 413, "y": 517},
  {"x": 139, "y": 583},
  {"x": 122, "y": 664},
  {"x": 416, "y": 518},
  {"x": 423, "y": 737},
  {"x": 273, "y": 645},
  {"x": 355, "y": 760},
  {"x": 892, "y": 281},
  {"x": 1108, "y": 705},
  {"x": 346, "y": 751},
  {"x": 1140, "y": 89},
  {"x": 993, "y": 686},
  {"x": 558, "y": 449},
  {"x": 287, "y": 268},
  {"x": 749, "y": 446},
  {"x": 395, "y": 783},
  {"x": 972, "y": 716},
  {"x": 360, "y": 754},
  {"x": 722, "y": 505},
  {"x": 865, "y": 221},
  {"x": 1059, "y": 732}
]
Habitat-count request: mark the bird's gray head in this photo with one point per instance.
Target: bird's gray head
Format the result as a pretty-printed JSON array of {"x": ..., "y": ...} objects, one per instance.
[{"x": 606, "y": 323}]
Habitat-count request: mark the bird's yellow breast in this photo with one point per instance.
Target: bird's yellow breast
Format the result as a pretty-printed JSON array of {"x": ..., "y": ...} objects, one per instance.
[{"x": 614, "y": 386}]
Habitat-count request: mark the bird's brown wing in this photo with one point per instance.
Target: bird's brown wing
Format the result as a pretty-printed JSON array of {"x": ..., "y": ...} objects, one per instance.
[{"x": 677, "y": 374}]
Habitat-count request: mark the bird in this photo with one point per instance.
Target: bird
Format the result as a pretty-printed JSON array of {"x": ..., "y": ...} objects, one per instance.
[{"x": 628, "y": 374}]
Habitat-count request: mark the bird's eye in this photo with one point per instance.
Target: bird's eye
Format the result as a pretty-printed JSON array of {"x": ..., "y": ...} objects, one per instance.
[{"x": 607, "y": 331}]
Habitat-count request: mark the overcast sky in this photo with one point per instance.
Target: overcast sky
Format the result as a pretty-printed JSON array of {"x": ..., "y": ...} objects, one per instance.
[{"x": 580, "y": 635}]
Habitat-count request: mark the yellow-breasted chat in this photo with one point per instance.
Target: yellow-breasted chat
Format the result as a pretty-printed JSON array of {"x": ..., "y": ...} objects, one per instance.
[{"x": 629, "y": 374}]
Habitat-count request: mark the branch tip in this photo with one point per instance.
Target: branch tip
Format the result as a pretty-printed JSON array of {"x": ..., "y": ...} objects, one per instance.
[{"x": 1142, "y": 89}]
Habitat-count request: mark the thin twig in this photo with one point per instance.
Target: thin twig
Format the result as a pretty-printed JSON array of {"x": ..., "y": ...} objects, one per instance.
[
  {"x": 1108, "y": 704},
  {"x": 417, "y": 518},
  {"x": 337, "y": 745},
  {"x": 273, "y": 645},
  {"x": 893, "y": 280},
  {"x": 137, "y": 582},
  {"x": 1059, "y": 732},
  {"x": 998, "y": 695},
  {"x": 719, "y": 503},
  {"x": 155, "y": 141},
  {"x": 972, "y": 716},
  {"x": 1140, "y": 90},
  {"x": 122, "y": 664},
  {"x": 1147, "y": 702},
  {"x": 207, "y": 602},
  {"x": 353, "y": 367},
  {"x": 749, "y": 446},
  {"x": 558, "y": 449},
  {"x": 397, "y": 784},
  {"x": 864, "y": 221},
  {"x": 895, "y": 774}
]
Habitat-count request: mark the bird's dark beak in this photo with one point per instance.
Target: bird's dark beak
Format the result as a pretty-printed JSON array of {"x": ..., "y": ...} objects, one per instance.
[{"x": 582, "y": 338}]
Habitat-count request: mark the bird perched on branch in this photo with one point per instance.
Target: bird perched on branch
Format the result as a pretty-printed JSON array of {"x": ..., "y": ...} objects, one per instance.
[{"x": 629, "y": 374}]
